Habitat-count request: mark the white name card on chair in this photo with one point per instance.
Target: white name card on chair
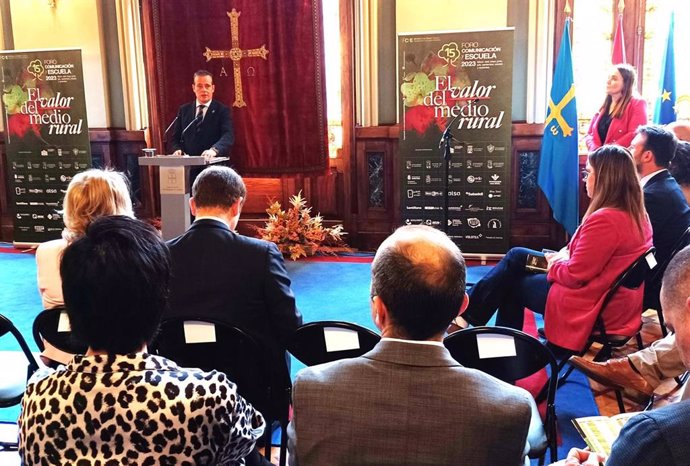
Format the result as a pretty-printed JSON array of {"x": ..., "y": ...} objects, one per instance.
[
  {"x": 63, "y": 323},
  {"x": 196, "y": 331},
  {"x": 495, "y": 346},
  {"x": 340, "y": 339}
]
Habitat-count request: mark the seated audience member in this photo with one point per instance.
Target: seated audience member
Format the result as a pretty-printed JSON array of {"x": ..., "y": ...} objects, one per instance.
[
  {"x": 681, "y": 129},
  {"x": 653, "y": 148},
  {"x": 222, "y": 275},
  {"x": 407, "y": 401},
  {"x": 91, "y": 194},
  {"x": 614, "y": 233},
  {"x": 680, "y": 168},
  {"x": 117, "y": 404},
  {"x": 644, "y": 370},
  {"x": 660, "y": 436}
]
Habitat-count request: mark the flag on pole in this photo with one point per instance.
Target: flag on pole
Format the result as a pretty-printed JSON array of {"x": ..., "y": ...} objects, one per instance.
[
  {"x": 559, "y": 176},
  {"x": 618, "y": 53},
  {"x": 664, "y": 111}
]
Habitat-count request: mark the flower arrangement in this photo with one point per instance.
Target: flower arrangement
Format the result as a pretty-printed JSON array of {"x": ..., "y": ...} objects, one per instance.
[{"x": 298, "y": 234}]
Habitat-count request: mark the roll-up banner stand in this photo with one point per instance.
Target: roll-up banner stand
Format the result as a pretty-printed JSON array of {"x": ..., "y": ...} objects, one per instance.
[
  {"x": 461, "y": 81},
  {"x": 46, "y": 136}
]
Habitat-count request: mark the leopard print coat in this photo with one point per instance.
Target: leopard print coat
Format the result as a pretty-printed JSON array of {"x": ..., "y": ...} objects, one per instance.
[{"x": 137, "y": 409}]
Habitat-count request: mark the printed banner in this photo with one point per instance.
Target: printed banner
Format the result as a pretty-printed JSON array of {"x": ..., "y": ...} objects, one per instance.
[
  {"x": 462, "y": 79},
  {"x": 46, "y": 136}
]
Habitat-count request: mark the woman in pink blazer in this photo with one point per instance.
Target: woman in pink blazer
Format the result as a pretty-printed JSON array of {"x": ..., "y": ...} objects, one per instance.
[
  {"x": 622, "y": 112},
  {"x": 615, "y": 231}
]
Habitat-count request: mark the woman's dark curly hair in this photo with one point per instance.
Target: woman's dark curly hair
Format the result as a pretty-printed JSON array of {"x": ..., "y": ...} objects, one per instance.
[{"x": 680, "y": 164}]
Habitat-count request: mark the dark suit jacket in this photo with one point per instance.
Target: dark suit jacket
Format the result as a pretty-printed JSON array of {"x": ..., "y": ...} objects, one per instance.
[
  {"x": 669, "y": 215},
  {"x": 654, "y": 438},
  {"x": 405, "y": 404},
  {"x": 214, "y": 131},
  {"x": 242, "y": 281}
]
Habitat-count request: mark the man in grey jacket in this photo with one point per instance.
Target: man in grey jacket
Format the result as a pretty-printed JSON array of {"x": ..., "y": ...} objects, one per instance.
[{"x": 408, "y": 402}]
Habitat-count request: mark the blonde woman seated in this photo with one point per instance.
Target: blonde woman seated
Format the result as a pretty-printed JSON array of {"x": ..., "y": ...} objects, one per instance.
[
  {"x": 91, "y": 194},
  {"x": 615, "y": 231}
]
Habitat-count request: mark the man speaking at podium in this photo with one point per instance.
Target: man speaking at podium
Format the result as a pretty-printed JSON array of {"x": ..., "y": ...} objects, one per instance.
[{"x": 203, "y": 127}]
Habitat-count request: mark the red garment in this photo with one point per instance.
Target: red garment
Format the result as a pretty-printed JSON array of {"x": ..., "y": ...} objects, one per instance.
[
  {"x": 622, "y": 130},
  {"x": 601, "y": 249}
]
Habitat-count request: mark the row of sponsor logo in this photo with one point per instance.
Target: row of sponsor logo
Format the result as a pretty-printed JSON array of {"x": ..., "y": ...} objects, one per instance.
[
  {"x": 456, "y": 208},
  {"x": 415, "y": 180},
  {"x": 60, "y": 152},
  {"x": 38, "y": 204},
  {"x": 19, "y": 191},
  {"x": 490, "y": 194},
  {"x": 479, "y": 148},
  {"x": 472, "y": 222},
  {"x": 429, "y": 164},
  {"x": 478, "y": 236},
  {"x": 39, "y": 228},
  {"x": 20, "y": 178},
  {"x": 49, "y": 165},
  {"x": 38, "y": 216}
]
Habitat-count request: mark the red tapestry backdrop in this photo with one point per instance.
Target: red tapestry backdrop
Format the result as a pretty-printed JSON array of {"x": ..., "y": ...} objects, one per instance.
[{"x": 282, "y": 126}]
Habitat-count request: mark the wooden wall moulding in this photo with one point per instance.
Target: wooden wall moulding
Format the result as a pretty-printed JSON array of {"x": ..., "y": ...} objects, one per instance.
[
  {"x": 375, "y": 184},
  {"x": 323, "y": 193}
]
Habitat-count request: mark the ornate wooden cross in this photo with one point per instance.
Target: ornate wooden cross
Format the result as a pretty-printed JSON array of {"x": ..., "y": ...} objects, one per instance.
[{"x": 236, "y": 54}]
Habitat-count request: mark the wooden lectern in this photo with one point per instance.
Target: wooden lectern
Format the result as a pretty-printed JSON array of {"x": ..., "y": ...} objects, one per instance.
[{"x": 175, "y": 189}]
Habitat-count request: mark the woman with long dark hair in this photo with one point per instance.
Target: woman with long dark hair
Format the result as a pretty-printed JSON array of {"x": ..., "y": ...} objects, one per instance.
[
  {"x": 621, "y": 113},
  {"x": 614, "y": 232}
]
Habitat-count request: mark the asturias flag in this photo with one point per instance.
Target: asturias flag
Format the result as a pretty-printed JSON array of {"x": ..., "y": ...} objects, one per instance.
[
  {"x": 559, "y": 176},
  {"x": 664, "y": 111}
]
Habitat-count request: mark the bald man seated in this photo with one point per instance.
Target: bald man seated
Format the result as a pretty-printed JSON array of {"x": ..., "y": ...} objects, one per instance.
[{"x": 407, "y": 401}]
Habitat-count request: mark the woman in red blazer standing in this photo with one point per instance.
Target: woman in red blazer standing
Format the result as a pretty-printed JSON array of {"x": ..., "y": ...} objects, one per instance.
[
  {"x": 614, "y": 232},
  {"x": 622, "y": 112}
]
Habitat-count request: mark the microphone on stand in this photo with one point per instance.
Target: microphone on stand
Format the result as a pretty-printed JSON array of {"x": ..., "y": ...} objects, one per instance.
[
  {"x": 196, "y": 120},
  {"x": 170, "y": 126},
  {"x": 446, "y": 133}
]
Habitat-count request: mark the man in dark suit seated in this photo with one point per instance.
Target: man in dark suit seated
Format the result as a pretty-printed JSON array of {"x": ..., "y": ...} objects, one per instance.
[
  {"x": 219, "y": 274},
  {"x": 407, "y": 401},
  {"x": 653, "y": 148},
  {"x": 203, "y": 126},
  {"x": 660, "y": 436}
]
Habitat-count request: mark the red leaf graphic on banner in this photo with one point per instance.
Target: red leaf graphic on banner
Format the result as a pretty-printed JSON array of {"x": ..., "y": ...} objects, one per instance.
[
  {"x": 419, "y": 118},
  {"x": 19, "y": 124}
]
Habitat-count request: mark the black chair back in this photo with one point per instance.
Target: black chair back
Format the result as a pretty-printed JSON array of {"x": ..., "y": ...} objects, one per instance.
[
  {"x": 310, "y": 343},
  {"x": 530, "y": 356},
  {"x": 659, "y": 270},
  {"x": 632, "y": 278},
  {"x": 11, "y": 391},
  {"x": 46, "y": 327},
  {"x": 236, "y": 353},
  {"x": 653, "y": 301}
]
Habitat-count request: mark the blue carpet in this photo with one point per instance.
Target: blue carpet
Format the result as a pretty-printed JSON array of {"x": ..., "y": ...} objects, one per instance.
[{"x": 324, "y": 291}]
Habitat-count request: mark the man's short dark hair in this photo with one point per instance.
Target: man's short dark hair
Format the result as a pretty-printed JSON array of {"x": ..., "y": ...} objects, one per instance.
[
  {"x": 218, "y": 186},
  {"x": 203, "y": 73},
  {"x": 680, "y": 165},
  {"x": 419, "y": 274},
  {"x": 661, "y": 142},
  {"x": 115, "y": 282}
]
